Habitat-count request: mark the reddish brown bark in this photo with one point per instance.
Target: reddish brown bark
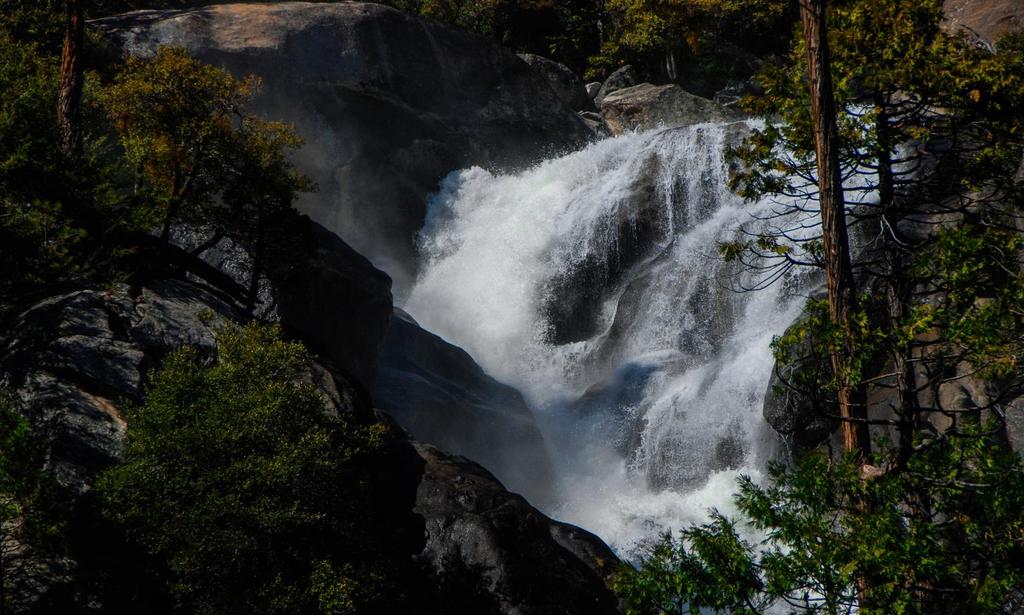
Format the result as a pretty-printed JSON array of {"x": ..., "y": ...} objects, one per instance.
[
  {"x": 69, "y": 97},
  {"x": 842, "y": 298}
]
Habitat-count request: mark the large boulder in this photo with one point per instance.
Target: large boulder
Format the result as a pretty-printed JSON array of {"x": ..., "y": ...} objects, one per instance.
[
  {"x": 316, "y": 285},
  {"x": 439, "y": 394},
  {"x": 563, "y": 81},
  {"x": 646, "y": 106},
  {"x": 388, "y": 103},
  {"x": 622, "y": 78},
  {"x": 517, "y": 561}
]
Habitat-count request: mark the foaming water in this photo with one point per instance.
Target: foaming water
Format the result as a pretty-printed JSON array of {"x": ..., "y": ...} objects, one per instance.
[{"x": 592, "y": 283}]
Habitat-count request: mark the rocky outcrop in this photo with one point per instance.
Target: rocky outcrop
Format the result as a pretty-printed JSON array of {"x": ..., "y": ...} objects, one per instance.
[
  {"x": 562, "y": 80},
  {"x": 522, "y": 562},
  {"x": 596, "y": 123},
  {"x": 984, "y": 21},
  {"x": 388, "y": 104},
  {"x": 646, "y": 106},
  {"x": 71, "y": 361},
  {"x": 622, "y": 78},
  {"x": 439, "y": 394},
  {"x": 316, "y": 286}
]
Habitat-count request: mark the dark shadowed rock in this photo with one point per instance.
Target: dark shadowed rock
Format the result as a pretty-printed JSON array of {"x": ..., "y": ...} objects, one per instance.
[
  {"x": 388, "y": 102},
  {"x": 646, "y": 106},
  {"x": 439, "y": 394},
  {"x": 797, "y": 417},
  {"x": 72, "y": 360},
  {"x": 562, "y": 80},
  {"x": 527, "y": 563},
  {"x": 596, "y": 123},
  {"x": 622, "y": 78},
  {"x": 335, "y": 299},
  {"x": 318, "y": 287}
]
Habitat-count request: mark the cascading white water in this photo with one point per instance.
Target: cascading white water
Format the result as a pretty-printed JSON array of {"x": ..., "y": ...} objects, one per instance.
[{"x": 592, "y": 283}]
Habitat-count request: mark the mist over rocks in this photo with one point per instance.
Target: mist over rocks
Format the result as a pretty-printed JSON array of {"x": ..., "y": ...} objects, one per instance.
[{"x": 389, "y": 103}]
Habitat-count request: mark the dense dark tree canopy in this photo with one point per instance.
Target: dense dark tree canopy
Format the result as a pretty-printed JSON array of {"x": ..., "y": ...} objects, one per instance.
[{"x": 248, "y": 490}]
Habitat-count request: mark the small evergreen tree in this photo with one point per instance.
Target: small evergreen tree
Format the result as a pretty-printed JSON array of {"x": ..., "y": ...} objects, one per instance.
[
  {"x": 204, "y": 160},
  {"x": 241, "y": 484}
]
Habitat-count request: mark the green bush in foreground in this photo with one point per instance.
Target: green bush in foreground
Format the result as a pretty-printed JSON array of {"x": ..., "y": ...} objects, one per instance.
[
  {"x": 834, "y": 541},
  {"x": 244, "y": 489}
]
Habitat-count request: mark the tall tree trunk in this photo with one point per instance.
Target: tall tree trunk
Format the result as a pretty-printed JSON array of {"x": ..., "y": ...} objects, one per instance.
[
  {"x": 897, "y": 292},
  {"x": 842, "y": 298},
  {"x": 69, "y": 98}
]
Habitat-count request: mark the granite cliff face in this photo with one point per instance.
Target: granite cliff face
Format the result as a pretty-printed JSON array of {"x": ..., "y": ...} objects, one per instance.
[
  {"x": 984, "y": 21},
  {"x": 74, "y": 360},
  {"x": 389, "y": 103}
]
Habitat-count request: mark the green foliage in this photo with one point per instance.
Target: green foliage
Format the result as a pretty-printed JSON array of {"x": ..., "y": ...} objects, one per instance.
[
  {"x": 715, "y": 41},
  {"x": 981, "y": 286},
  {"x": 56, "y": 215},
  {"x": 238, "y": 480},
  {"x": 955, "y": 102},
  {"x": 203, "y": 160},
  {"x": 930, "y": 133},
  {"x": 175, "y": 117},
  {"x": 40, "y": 23},
  {"x": 931, "y": 146},
  {"x": 30, "y": 512},
  {"x": 826, "y": 531}
]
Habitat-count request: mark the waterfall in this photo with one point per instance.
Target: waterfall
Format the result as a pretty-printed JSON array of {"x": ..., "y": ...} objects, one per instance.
[{"x": 592, "y": 283}]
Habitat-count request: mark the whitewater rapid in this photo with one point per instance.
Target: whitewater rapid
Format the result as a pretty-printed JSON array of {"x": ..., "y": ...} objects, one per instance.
[{"x": 649, "y": 391}]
